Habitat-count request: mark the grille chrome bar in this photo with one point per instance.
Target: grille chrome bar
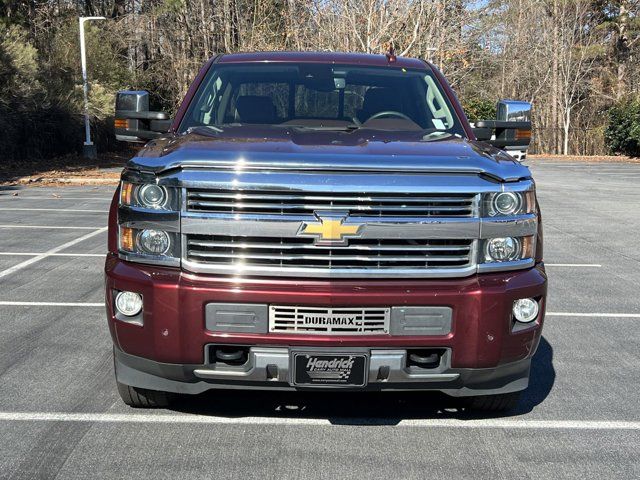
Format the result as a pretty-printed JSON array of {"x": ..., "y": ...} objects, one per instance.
[
  {"x": 243, "y": 195},
  {"x": 355, "y": 258},
  {"x": 275, "y": 202},
  {"x": 283, "y": 246},
  {"x": 292, "y": 256},
  {"x": 329, "y": 321}
]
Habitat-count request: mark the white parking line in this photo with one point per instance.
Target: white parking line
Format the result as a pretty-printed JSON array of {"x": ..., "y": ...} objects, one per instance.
[
  {"x": 585, "y": 265},
  {"x": 57, "y": 210},
  {"x": 51, "y": 304},
  {"x": 26, "y": 254},
  {"x": 425, "y": 423},
  {"x": 79, "y": 304},
  {"x": 594, "y": 315},
  {"x": 54, "y": 227},
  {"x": 51, "y": 197},
  {"x": 33, "y": 260}
]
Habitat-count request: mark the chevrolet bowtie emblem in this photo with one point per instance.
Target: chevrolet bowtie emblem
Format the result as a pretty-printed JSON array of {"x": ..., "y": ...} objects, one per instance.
[{"x": 330, "y": 229}]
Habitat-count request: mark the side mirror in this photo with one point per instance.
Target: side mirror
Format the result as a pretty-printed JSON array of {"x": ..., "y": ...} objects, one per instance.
[
  {"x": 511, "y": 131},
  {"x": 133, "y": 120}
]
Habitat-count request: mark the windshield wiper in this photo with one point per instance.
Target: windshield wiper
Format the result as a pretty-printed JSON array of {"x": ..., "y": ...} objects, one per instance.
[
  {"x": 204, "y": 129},
  {"x": 322, "y": 128},
  {"x": 438, "y": 135}
]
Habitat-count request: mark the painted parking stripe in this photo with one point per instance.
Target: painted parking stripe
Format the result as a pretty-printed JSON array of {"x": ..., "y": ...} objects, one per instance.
[
  {"x": 51, "y": 304},
  {"x": 33, "y": 254},
  {"x": 585, "y": 265},
  {"x": 27, "y": 254},
  {"x": 56, "y": 210},
  {"x": 594, "y": 315},
  {"x": 46, "y": 254},
  {"x": 425, "y": 423},
  {"x": 54, "y": 227},
  {"x": 96, "y": 304},
  {"x": 51, "y": 197}
]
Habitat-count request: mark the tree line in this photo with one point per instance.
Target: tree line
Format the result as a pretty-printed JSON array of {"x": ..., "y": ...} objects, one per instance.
[{"x": 575, "y": 60}]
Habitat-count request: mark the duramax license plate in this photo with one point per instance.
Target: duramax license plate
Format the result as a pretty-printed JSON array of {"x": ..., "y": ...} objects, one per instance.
[{"x": 344, "y": 369}]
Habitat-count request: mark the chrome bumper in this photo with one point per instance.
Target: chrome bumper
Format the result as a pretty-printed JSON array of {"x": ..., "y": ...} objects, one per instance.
[{"x": 272, "y": 365}]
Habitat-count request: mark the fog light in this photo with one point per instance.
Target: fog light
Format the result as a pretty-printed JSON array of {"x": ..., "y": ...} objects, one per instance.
[
  {"x": 128, "y": 304},
  {"x": 525, "y": 310},
  {"x": 502, "y": 249},
  {"x": 154, "y": 242}
]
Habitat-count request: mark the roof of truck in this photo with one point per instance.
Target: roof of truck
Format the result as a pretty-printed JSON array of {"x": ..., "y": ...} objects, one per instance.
[{"x": 324, "y": 57}]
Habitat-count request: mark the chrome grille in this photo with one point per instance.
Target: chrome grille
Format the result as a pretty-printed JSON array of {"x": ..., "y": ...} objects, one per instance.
[
  {"x": 294, "y": 253},
  {"x": 329, "y": 321},
  {"x": 279, "y": 202}
]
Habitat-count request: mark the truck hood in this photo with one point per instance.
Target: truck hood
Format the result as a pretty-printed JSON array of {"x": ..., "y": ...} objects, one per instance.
[{"x": 294, "y": 149}]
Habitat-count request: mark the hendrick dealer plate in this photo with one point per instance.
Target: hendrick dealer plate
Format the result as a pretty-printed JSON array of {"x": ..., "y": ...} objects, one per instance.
[{"x": 320, "y": 369}]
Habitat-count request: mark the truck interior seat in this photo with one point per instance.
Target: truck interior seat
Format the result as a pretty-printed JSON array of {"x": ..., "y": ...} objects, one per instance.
[{"x": 255, "y": 109}]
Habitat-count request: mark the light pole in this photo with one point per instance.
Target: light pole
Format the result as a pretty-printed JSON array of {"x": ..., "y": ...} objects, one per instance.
[{"x": 88, "y": 149}]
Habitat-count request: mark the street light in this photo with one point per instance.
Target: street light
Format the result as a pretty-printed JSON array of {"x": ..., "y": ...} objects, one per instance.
[{"x": 88, "y": 149}]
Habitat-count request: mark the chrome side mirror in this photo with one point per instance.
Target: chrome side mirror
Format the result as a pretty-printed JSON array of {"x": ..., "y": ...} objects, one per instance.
[{"x": 513, "y": 111}]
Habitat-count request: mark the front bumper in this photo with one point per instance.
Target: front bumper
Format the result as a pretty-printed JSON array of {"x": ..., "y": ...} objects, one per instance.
[
  {"x": 268, "y": 369},
  {"x": 486, "y": 351}
]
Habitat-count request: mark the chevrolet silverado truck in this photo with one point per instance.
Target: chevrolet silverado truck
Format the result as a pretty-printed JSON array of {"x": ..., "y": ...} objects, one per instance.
[{"x": 321, "y": 221}]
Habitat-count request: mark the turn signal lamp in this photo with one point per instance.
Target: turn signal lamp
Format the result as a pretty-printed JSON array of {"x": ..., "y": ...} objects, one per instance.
[{"x": 126, "y": 239}]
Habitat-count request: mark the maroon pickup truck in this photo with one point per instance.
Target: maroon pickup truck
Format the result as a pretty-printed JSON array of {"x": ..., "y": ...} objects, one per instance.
[{"x": 322, "y": 221}]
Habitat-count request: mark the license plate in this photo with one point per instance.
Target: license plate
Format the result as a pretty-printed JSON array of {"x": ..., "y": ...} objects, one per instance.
[{"x": 344, "y": 369}]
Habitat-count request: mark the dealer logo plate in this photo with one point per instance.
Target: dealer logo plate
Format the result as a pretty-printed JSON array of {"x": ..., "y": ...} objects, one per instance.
[{"x": 313, "y": 369}]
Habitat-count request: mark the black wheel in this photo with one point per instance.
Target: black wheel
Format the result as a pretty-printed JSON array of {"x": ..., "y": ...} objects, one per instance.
[
  {"x": 143, "y": 398},
  {"x": 493, "y": 403}
]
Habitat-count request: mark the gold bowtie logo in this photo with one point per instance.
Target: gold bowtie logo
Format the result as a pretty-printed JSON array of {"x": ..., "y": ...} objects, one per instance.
[{"x": 330, "y": 229}]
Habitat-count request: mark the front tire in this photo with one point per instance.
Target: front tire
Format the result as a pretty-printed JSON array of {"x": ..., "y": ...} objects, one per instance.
[
  {"x": 493, "y": 403},
  {"x": 143, "y": 398}
]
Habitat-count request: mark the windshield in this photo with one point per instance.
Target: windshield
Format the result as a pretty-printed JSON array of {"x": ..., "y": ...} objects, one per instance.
[{"x": 321, "y": 96}]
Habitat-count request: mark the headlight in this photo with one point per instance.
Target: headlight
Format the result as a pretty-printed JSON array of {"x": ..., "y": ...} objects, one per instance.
[
  {"x": 149, "y": 196},
  {"x": 507, "y": 203},
  {"x": 149, "y": 246},
  {"x": 502, "y": 249},
  {"x": 154, "y": 242},
  {"x": 152, "y": 196}
]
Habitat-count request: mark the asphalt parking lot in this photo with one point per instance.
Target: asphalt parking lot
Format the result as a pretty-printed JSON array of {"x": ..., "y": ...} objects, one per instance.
[{"x": 61, "y": 417}]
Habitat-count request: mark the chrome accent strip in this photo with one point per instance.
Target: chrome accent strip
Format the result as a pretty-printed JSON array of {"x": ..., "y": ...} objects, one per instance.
[
  {"x": 375, "y": 228},
  {"x": 259, "y": 359},
  {"x": 150, "y": 259},
  {"x": 396, "y": 360},
  {"x": 270, "y": 271},
  {"x": 512, "y": 226},
  {"x": 171, "y": 226},
  {"x": 334, "y": 183},
  {"x": 503, "y": 266}
]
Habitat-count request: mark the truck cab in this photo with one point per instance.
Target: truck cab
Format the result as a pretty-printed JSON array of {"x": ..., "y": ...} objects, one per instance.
[{"x": 321, "y": 221}]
